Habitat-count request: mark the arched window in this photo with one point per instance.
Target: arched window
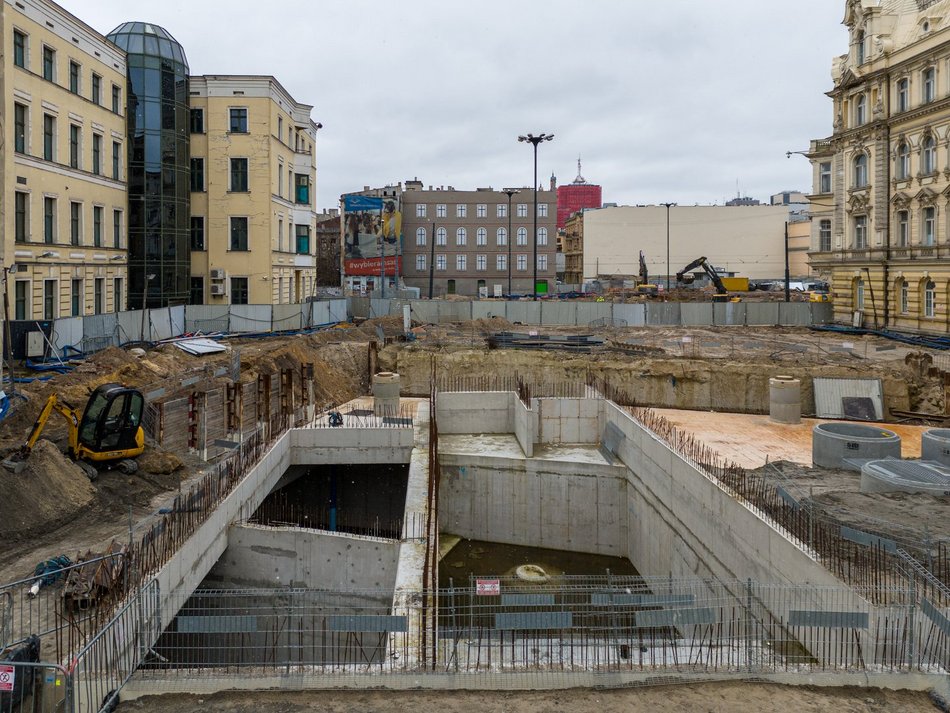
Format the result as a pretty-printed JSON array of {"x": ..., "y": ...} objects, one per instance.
[
  {"x": 903, "y": 296},
  {"x": 542, "y": 236},
  {"x": 860, "y": 110},
  {"x": 461, "y": 236},
  {"x": 501, "y": 237},
  {"x": 903, "y": 160},
  {"x": 440, "y": 237},
  {"x": 860, "y": 47},
  {"x": 859, "y": 293},
  {"x": 930, "y": 298},
  {"x": 420, "y": 236},
  {"x": 481, "y": 236},
  {"x": 861, "y": 170},
  {"x": 928, "y": 156},
  {"x": 903, "y": 95},
  {"x": 929, "y": 85},
  {"x": 522, "y": 236}
]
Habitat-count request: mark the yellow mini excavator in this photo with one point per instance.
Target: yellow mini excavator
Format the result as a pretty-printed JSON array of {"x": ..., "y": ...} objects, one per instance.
[{"x": 108, "y": 430}]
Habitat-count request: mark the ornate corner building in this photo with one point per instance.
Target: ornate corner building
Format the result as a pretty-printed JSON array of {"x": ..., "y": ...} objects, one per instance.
[{"x": 881, "y": 195}]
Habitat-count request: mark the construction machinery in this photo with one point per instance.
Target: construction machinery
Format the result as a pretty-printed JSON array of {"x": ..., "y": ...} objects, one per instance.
[
  {"x": 109, "y": 430},
  {"x": 685, "y": 277},
  {"x": 644, "y": 287}
]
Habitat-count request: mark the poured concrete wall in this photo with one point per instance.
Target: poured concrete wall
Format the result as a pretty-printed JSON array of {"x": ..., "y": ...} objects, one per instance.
[
  {"x": 568, "y": 420},
  {"x": 323, "y": 446},
  {"x": 525, "y": 425},
  {"x": 260, "y": 556},
  {"x": 476, "y": 412}
]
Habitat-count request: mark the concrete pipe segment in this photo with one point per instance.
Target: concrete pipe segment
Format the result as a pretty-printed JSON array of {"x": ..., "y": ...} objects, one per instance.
[
  {"x": 785, "y": 399},
  {"x": 386, "y": 394},
  {"x": 832, "y": 443},
  {"x": 935, "y": 445}
]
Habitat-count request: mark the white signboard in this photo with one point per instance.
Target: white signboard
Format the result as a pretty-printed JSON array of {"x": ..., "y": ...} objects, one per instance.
[
  {"x": 487, "y": 587},
  {"x": 8, "y": 676}
]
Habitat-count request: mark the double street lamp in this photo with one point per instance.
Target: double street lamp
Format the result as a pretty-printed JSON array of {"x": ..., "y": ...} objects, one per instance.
[
  {"x": 509, "y": 192},
  {"x": 534, "y": 141},
  {"x": 668, "y": 206}
]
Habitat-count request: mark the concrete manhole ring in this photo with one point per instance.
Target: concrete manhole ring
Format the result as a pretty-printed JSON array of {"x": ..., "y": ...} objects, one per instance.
[{"x": 531, "y": 573}]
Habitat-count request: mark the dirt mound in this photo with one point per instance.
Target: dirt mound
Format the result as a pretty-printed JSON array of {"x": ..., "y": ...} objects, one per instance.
[
  {"x": 51, "y": 491},
  {"x": 490, "y": 325},
  {"x": 158, "y": 461}
]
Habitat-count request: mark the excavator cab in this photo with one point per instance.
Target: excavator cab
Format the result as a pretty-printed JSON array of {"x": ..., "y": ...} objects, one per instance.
[{"x": 111, "y": 427}]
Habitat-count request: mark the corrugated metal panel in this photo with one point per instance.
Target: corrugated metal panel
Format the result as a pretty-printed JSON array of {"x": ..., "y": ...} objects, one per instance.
[
  {"x": 829, "y": 394},
  {"x": 828, "y": 619}
]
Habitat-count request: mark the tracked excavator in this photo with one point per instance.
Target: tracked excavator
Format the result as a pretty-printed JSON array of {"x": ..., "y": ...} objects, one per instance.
[
  {"x": 108, "y": 431},
  {"x": 684, "y": 277}
]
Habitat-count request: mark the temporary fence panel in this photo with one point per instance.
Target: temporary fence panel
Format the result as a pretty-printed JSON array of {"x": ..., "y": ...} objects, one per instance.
[
  {"x": 34, "y": 686},
  {"x": 337, "y": 311},
  {"x": 524, "y": 312},
  {"x": 557, "y": 312},
  {"x": 455, "y": 311},
  {"x": 822, "y": 312},
  {"x": 250, "y": 318},
  {"x": 378, "y": 307},
  {"x": 67, "y": 332},
  {"x": 729, "y": 314},
  {"x": 207, "y": 318},
  {"x": 762, "y": 314},
  {"x": 319, "y": 313},
  {"x": 423, "y": 311},
  {"x": 287, "y": 317},
  {"x": 587, "y": 312},
  {"x": 100, "y": 331},
  {"x": 130, "y": 326},
  {"x": 486, "y": 309},
  {"x": 358, "y": 307},
  {"x": 159, "y": 324},
  {"x": 795, "y": 314},
  {"x": 663, "y": 313},
  {"x": 696, "y": 314},
  {"x": 631, "y": 315}
]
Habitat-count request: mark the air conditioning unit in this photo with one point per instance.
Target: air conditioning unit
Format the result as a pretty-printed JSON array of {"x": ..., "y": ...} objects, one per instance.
[
  {"x": 217, "y": 273},
  {"x": 217, "y": 290}
]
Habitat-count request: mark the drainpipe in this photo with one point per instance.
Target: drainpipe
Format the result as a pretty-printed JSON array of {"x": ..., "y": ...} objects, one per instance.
[{"x": 887, "y": 222}]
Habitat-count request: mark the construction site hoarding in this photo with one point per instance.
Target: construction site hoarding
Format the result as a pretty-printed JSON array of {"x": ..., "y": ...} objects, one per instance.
[{"x": 372, "y": 235}]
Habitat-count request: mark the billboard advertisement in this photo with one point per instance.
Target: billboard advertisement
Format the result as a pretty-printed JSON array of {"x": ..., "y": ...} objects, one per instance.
[{"x": 372, "y": 234}]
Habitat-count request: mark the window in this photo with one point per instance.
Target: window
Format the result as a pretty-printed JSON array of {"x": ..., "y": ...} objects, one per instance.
[
  {"x": 859, "y": 47},
  {"x": 501, "y": 262},
  {"x": 197, "y": 121},
  {"x": 501, "y": 237},
  {"x": 74, "y": 151},
  {"x": 197, "y": 290},
  {"x": 501, "y": 210},
  {"x": 117, "y": 160},
  {"x": 824, "y": 177},
  {"x": 49, "y": 64},
  {"x": 481, "y": 236},
  {"x": 239, "y": 290},
  {"x": 239, "y": 234},
  {"x": 927, "y": 236},
  {"x": 303, "y": 238},
  {"x": 522, "y": 263},
  {"x": 421, "y": 262},
  {"x": 860, "y": 232},
  {"x": 74, "y": 74},
  {"x": 824, "y": 236},
  {"x": 440, "y": 210},
  {"x": 542, "y": 210},
  {"x": 49, "y": 220},
  {"x": 20, "y": 303},
  {"x": 117, "y": 228},
  {"x": 903, "y": 296},
  {"x": 116, "y": 99},
  {"x": 420, "y": 236},
  {"x": 97, "y": 154},
  {"x": 98, "y": 295},
  {"x": 542, "y": 236},
  {"x": 481, "y": 262},
  {"x": 440, "y": 262},
  {"x": 928, "y": 156},
  {"x": 21, "y": 220},
  {"x": 481, "y": 210},
  {"x": 197, "y": 175},
  {"x": 461, "y": 211},
  {"x": 861, "y": 170},
  {"x": 903, "y": 160},
  {"x": 239, "y": 175},
  {"x": 522, "y": 238},
  {"x": 19, "y": 49},
  {"x": 930, "y": 296},
  {"x": 96, "y": 89},
  {"x": 860, "y": 110},
  {"x": 903, "y": 228},
  {"x": 49, "y": 137},
  {"x": 75, "y": 223},
  {"x": 929, "y": 88},
  {"x": 420, "y": 210},
  {"x": 49, "y": 299},
  {"x": 238, "y": 125},
  {"x": 197, "y": 232},
  {"x": 302, "y": 189},
  {"x": 117, "y": 294},
  {"x": 75, "y": 298},
  {"x": 441, "y": 235},
  {"x": 903, "y": 95},
  {"x": 461, "y": 262},
  {"x": 97, "y": 226},
  {"x": 461, "y": 236},
  {"x": 522, "y": 210},
  {"x": 542, "y": 262},
  {"x": 19, "y": 128},
  {"x": 859, "y": 294}
]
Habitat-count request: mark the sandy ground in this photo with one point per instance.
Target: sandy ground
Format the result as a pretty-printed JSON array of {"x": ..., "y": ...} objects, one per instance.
[{"x": 701, "y": 698}]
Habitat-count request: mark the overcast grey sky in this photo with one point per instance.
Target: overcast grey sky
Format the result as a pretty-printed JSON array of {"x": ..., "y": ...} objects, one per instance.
[{"x": 668, "y": 100}]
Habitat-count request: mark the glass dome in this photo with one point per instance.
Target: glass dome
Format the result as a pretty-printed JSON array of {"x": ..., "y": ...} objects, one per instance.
[{"x": 148, "y": 39}]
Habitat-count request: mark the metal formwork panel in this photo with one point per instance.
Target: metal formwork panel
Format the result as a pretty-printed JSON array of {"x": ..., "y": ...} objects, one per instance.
[{"x": 830, "y": 394}]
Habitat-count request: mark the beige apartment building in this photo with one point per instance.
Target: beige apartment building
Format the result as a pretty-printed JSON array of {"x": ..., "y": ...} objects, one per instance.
[
  {"x": 747, "y": 241},
  {"x": 253, "y": 173},
  {"x": 881, "y": 224},
  {"x": 63, "y": 164}
]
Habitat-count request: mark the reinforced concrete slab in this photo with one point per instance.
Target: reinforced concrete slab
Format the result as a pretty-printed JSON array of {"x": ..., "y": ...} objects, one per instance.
[
  {"x": 503, "y": 445},
  {"x": 749, "y": 439}
]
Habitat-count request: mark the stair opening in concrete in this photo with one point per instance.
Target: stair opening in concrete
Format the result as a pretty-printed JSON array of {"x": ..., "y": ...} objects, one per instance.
[{"x": 362, "y": 499}]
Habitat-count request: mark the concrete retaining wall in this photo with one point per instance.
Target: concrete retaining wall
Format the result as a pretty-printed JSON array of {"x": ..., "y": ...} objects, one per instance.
[
  {"x": 567, "y": 420},
  {"x": 321, "y": 446},
  {"x": 476, "y": 412},
  {"x": 525, "y": 425},
  {"x": 259, "y": 556}
]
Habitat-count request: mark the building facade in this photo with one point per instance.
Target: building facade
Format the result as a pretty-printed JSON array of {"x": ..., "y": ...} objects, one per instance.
[
  {"x": 576, "y": 196},
  {"x": 881, "y": 181},
  {"x": 64, "y": 170},
  {"x": 476, "y": 242},
  {"x": 327, "y": 237},
  {"x": 253, "y": 173},
  {"x": 572, "y": 246}
]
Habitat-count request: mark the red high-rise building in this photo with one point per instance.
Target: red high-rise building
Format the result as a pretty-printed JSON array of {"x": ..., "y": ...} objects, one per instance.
[{"x": 576, "y": 196}]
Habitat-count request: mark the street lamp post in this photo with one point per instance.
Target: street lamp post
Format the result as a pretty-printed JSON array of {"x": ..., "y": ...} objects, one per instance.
[
  {"x": 534, "y": 141},
  {"x": 509, "y": 192},
  {"x": 668, "y": 273}
]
